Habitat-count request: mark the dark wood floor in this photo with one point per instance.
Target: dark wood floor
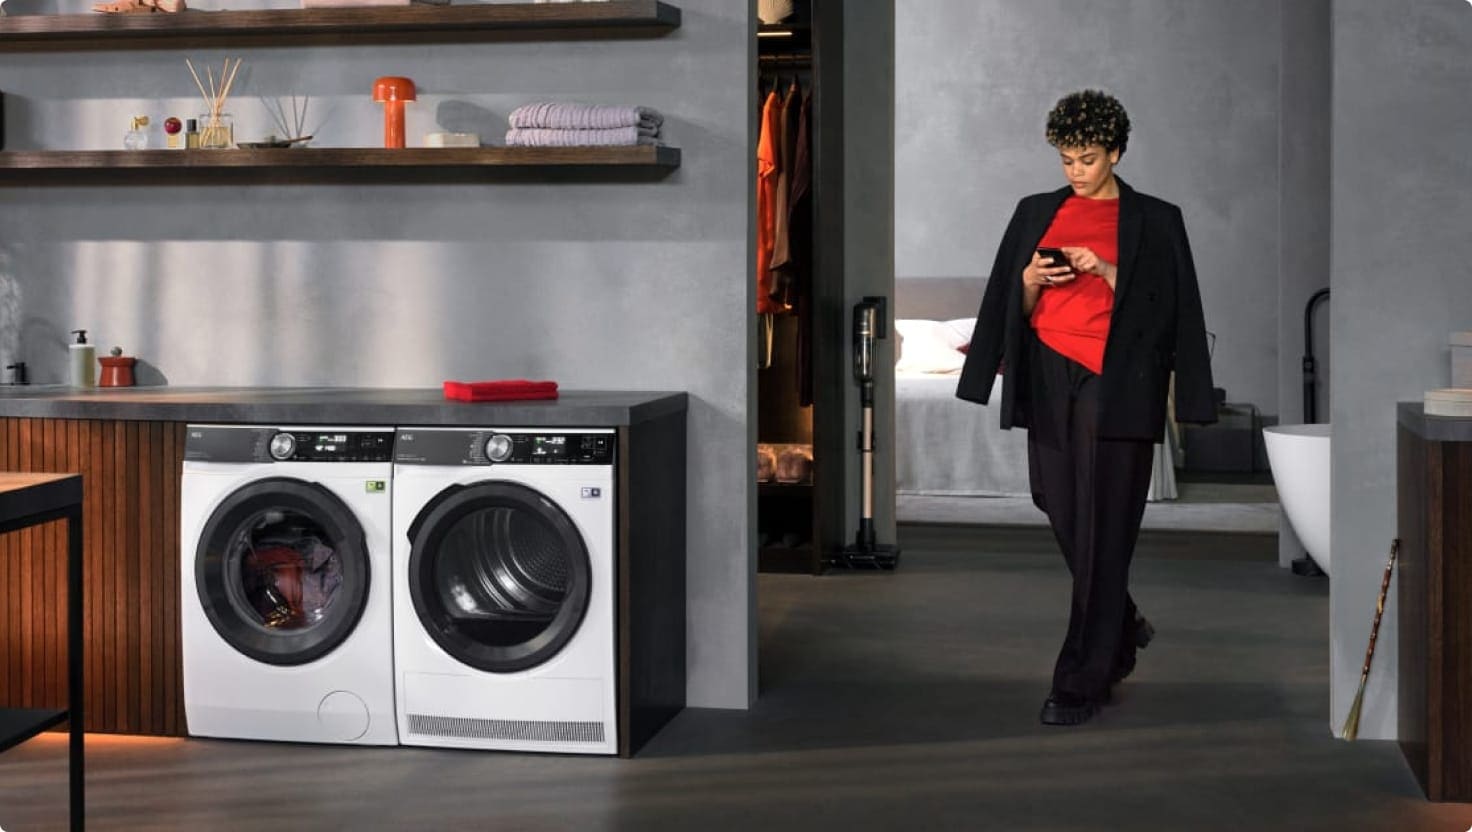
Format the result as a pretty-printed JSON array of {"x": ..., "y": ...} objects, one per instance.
[{"x": 890, "y": 701}]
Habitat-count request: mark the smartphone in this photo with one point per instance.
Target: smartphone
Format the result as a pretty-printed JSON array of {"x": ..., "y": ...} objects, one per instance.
[{"x": 1056, "y": 254}]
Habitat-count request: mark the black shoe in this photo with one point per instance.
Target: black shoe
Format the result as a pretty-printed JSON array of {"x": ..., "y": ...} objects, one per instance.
[
  {"x": 1144, "y": 632},
  {"x": 1123, "y": 667},
  {"x": 1067, "y": 709}
]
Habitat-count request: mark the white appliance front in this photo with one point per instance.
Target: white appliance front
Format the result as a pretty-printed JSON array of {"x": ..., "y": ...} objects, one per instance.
[
  {"x": 285, "y": 578},
  {"x": 504, "y": 633}
]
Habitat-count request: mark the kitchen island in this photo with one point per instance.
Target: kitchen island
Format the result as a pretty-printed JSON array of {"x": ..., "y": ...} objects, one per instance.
[{"x": 128, "y": 444}]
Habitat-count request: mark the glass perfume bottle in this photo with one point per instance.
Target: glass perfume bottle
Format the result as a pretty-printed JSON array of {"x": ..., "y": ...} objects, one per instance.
[{"x": 137, "y": 136}]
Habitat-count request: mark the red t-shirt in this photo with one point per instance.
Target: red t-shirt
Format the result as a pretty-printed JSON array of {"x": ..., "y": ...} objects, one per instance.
[{"x": 1073, "y": 317}]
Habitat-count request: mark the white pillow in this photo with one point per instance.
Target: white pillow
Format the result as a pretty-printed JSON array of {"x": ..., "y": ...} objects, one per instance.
[
  {"x": 964, "y": 327},
  {"x": 929, "y": 347},
  {"x": 936, "y": 332}
]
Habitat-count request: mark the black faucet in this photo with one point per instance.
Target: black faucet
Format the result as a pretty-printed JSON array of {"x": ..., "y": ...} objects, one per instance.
[
  {"x": 1310, "y": 366},
  {"x": 17, "y": 373}
]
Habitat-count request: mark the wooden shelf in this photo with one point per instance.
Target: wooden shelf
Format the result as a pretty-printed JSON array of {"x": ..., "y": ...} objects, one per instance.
[
  {"x": 785, "y": 489},
  {"x": 364, "y": 25},
  {"x": 334, "y": 164}
]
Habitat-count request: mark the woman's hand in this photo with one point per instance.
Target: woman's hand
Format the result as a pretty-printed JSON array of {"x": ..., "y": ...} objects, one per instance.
[
  {"x": 1039, "y": 273},
  {"x": 1085, "y": 260}
]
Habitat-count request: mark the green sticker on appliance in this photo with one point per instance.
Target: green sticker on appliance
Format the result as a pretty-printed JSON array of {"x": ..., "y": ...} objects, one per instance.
[{"x": 376, "y": 486}]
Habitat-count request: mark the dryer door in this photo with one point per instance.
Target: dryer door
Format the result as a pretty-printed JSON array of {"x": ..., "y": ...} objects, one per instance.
[
  {"x": 498, "y": 574},
  {"x": 282, "y": 571}
]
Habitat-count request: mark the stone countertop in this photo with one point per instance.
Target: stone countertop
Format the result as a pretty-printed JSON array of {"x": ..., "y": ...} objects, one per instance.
[
  {"x": 281, "y": 406},
  {"x": 1412, "y": 415}
]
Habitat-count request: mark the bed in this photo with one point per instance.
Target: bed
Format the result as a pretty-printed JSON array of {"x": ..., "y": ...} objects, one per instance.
[{"x": 945, "y": 446}]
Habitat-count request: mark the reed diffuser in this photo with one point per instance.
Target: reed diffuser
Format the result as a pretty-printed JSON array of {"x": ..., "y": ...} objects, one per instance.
[{"x": 215, "y": 127}]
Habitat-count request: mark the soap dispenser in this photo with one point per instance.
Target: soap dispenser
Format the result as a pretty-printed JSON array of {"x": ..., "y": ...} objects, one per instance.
[{"x": 83, "y": 362}]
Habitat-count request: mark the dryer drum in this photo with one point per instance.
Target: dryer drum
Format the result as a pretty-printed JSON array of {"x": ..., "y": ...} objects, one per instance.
[
  {"x": 498, "y": 574},
  {"x": 503, "y": 562}
]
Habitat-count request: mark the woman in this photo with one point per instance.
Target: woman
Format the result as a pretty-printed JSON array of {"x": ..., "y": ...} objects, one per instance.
[{"x": 1087, "y": 347}]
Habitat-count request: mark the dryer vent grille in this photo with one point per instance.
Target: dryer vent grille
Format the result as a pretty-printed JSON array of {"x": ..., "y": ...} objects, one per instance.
[{"x": 501, "y": 729}]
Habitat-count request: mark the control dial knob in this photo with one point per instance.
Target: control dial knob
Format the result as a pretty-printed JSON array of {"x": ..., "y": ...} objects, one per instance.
[
  {"x": 283, "y": 445},
  {"x": 498, "y": 448}
]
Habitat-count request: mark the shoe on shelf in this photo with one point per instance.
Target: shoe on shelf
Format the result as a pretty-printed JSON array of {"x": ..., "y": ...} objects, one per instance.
[
  {"x": 139, "y": 6},
  {"x": 1067, "y": 709}
]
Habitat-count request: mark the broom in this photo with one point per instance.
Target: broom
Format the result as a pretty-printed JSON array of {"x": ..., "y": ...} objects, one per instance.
[{"x": 1352, "y": 724}]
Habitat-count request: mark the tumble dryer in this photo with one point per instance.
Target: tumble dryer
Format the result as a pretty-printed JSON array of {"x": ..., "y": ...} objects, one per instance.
[
  {"x": 504, "y": 631},
  {"x": 286, "y": 584}
]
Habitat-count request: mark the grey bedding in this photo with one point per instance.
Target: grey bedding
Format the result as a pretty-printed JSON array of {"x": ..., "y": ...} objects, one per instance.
[{"x": 946, "y": 446}]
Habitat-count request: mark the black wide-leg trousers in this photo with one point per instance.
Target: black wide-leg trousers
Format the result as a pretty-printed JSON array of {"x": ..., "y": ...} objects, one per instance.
[{"x": 1093, "y": 491}]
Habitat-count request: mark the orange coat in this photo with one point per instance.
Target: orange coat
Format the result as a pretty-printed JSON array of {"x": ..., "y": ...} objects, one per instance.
[{"x": 766, "y": 204}]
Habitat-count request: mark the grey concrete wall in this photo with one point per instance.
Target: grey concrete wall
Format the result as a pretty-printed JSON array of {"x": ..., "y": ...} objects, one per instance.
[
  {"x": 869, "y": 238},
  {"x": 641, "y": 286},
  {"x": 1402, "y": 195},
  {"x": 976, "y": 78},
  {"x": 1303, "y": 164}
]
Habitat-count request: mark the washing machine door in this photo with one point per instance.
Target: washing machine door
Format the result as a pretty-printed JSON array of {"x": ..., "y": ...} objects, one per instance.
[
  {"x": 282, "y": 571},
  {"x": 498, "y": 574}
]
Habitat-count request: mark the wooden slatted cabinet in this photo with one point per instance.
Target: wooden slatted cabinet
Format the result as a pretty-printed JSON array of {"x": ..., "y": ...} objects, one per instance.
[{"x": 130, "y": 564}]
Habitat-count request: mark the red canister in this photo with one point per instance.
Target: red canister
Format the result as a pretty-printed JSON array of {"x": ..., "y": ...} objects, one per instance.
[{"x": 117, "y": 369}]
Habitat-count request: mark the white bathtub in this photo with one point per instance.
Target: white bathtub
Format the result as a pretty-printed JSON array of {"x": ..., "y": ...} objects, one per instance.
[{"x": 1299, "y": 457}]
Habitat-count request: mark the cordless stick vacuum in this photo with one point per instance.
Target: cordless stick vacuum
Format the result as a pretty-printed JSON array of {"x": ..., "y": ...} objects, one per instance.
[{"x": 869, "y": 326}]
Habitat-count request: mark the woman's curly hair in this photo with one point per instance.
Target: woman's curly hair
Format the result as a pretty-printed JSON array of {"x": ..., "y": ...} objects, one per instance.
[{"x": 1089, "y": 117}]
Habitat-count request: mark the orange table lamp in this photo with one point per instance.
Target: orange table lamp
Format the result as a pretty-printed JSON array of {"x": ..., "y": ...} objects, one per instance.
[{"x": 392, "y": 91}]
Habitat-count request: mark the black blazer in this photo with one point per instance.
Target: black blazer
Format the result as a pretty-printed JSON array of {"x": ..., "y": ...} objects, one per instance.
[{"x": 1157, "y": 325}]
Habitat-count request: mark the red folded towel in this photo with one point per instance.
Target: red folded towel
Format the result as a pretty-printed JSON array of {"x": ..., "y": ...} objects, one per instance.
[{"x": 500, "y": 391}]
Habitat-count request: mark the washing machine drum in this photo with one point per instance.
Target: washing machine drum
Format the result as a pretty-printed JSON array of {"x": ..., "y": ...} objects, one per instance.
[
  {"x": 498, "y": 574},
  {"x": 282, "y": 571}
]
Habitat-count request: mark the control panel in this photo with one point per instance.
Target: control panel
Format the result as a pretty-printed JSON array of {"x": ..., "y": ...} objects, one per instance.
[
  {"x": 229, "y": 443},
  {"x": 508, "y": 447},
  {"x": 333, "y": 446}
]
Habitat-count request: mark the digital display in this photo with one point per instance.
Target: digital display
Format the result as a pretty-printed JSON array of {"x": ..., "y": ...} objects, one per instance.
[
  {"x": 343, "y": 447},
  {"x": 550, "y": 446}
]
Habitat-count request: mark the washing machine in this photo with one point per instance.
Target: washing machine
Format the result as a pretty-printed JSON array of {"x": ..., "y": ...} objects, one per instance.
[
  {"x": 504, "y": 633},
  {"x": 286, "y": 583}
]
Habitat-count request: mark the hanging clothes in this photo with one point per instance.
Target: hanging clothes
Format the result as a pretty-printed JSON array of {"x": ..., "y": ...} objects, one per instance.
[
  {"x": 767, "y": 160},
  {"x": 799, "y": 265},
  {"x": 782, "y": 220}
]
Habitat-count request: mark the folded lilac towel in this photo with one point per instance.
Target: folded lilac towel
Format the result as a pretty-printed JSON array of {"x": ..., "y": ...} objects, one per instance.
[
  {"x": 615, "y": 137},
  {"x": 567, "y": 116}
]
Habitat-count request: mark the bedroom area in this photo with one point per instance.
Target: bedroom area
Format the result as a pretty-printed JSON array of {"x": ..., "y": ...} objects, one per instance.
[
  {"x": 955, "y": 465},
  {"x": 1210, "y": 130}
]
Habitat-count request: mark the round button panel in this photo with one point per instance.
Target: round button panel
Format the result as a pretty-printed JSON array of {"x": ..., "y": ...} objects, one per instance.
[
  {"x": 498, "y": 448},
  {"x": 283, "y": 445}
]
